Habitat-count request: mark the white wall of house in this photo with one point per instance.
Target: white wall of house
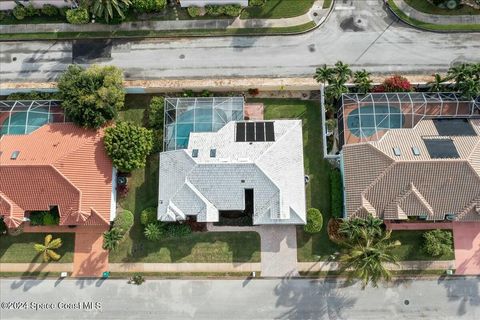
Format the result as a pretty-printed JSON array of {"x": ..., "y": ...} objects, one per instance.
[
  {"x": 202, "y": 3},
  {"x": 113, "y": 200}
]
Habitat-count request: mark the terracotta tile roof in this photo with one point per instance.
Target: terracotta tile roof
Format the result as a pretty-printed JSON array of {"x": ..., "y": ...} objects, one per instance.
[
  {"x": 60, "y": 165},
  {"x": 390, "y": 186}
]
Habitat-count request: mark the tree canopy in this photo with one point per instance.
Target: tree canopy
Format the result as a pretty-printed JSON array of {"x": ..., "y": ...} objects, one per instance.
[{"x": 92, "y": 96}]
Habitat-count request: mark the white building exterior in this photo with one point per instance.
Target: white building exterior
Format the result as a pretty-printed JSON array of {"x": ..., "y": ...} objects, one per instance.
[
  {"x": 215, "y": 171},
  {"x": 203, "y": 3}
]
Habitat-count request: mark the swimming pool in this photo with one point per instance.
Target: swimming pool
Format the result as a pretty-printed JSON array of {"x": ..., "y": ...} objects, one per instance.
[
  {"x": 365, "y": 120},
  {"x": 196, "y": 120},
  {"x": 24, "y": 122}
]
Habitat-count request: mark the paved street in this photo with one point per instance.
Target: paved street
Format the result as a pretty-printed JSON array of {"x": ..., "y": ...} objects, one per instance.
[
  {"x": 243, "y": 299},
  {"x": 376, "y": 43}
]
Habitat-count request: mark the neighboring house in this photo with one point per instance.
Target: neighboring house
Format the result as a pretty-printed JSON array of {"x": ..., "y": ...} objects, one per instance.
[
  {"x": 256, "y": 164},
  {"x": 202, "y": 3},
  {"x": 418, "y": 158},
  {"x": 58, "y": 164}
]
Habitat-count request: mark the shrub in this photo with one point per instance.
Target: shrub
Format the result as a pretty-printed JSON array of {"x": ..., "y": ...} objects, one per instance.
[
  {"x": 49, "y": 10},
  {"x": 176, "y": 229},
  {"x": 31, "y": 11},
  {"x": 128, "y": 145},
  {"x": 153, "y": 232},
  {"x": 36, "y": 218},
  {"x": 438, "y": 242},
  {"x": 395, "y": 83},
  {"x": 253, "y": 91},
  {"x": 336, "y": 193},
  {"x": 2, "y": 15},
  {"x": 155, "y": 113},
  {"x": 19, "y": 12},
  {"x": 194, "y": 11},
  {"x": 214, "y": 10},
  {"x": 137, "y": 279},
  {"x": 232, "y": 10},
  {"x": 256, "y": 3},
  {"x": 91, "y": 96},
  {"x": 111, "y": 239},
  {"x": 78, "y": 16},
  {"x": 123, "y": 222},
  {"x": 49, "y": 219},
  {"x": 34, "y": 95},
  {"x": 3, "y": 226},
  {"x": 314, "y": 221},
  {"x": 149, "y": 5},
  {"x": 148, "y": 216}
]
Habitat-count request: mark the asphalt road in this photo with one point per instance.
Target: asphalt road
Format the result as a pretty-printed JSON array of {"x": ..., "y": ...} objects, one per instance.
[
  {"x": 238, "y": 299},
  {"x": 377, "y": 43}
]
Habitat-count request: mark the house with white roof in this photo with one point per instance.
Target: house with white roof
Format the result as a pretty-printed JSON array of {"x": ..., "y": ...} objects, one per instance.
[{"x": 244, "y": 163}]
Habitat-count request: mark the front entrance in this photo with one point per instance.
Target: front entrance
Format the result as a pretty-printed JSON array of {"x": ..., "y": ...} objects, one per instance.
[{"x": 239, "y": 217}]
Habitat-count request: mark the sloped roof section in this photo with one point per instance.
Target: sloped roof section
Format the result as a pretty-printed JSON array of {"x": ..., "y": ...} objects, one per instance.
[
  {"x": 60, "y": 165},
  {"x": 401, "y": 184},
  {"x": 203, "y": 183}
]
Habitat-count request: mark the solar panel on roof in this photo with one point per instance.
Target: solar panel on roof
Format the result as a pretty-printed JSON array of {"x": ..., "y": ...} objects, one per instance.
[
  {"x": 250, "y": 131},
  {"x": 441, "y": 148},
  {"x": 454, "y": 127},
  {"x": 269, "y": 131},
  {"x": 240, "y": 132},
  {"x": 260, "y": 131}
]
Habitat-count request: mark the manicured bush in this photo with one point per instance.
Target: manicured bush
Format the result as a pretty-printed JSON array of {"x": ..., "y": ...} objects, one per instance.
[
  {"x": 123, "y": 222},
  {"x": 34, "y": 95},
  {"x": 336, "y": 193},
  {"x": 153, "y": 232},
  {"x": 314, "y": 221},
  {"x": 214, "y": 10},
  {"x": 256, "y": 3},
  {"x": 149, "y": 5},
  {"x": 148, "y": 216},
  {"x": 78, "y": 16},
  {"x": 232, "y": 10},
  {"x": 2, "y": 15},
  {"x": 31, "y": 11},
  {"x": 92, "y": 96},
  {"x": 194, "y": 11},
  {"x": 19, "y": 12},
  {"x": 173, "y": 229},
  {"x": 49, "y": 10},
  {"x": 155, "y": 113},
  {"x": 36, "y": 218},
  {"x": 395, "y": 83},
  {"x": 128, "y": 145},
  {"x": 438, "y": 242}
]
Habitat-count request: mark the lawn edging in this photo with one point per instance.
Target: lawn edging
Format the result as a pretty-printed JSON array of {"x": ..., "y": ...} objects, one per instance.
[{"x": 447, "y": 28}]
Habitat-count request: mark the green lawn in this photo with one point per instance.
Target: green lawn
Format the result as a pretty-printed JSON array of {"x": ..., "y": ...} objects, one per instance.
[
  {"x": 20, "y": 248},
  {"x": 411, "y": 248},
  {"x": 427, "y": 7},
  {"x": 275, "y": 9},
  {"x": 197, "y": 247},
  {"x": 431, "y": 26},
  {"x": 319, "y": 246}
]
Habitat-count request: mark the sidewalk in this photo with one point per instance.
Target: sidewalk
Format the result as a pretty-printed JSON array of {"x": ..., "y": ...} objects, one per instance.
[
  {"x": 316, "y": 14},
  {"x": 436, "y": 19}
]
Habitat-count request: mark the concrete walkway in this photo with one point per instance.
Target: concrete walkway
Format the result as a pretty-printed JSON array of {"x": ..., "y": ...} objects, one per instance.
[
  {"x": 436, "y": 19},
  {"x": 278, "y": 245},
  {"x": 316, "y": 14}
]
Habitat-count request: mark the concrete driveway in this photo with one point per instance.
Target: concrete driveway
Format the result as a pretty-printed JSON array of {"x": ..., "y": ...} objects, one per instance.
[{"x": 467, "y": 247}]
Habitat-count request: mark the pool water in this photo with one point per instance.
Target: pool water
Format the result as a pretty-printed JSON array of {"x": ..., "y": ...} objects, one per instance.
[
  {"x": 18, "y": 121},
  {"x": 198, "y": 120},
  {"x": 363, "y": 120}
]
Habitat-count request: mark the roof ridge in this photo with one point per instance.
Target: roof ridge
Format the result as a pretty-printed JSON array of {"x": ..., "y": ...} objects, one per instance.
[
  {"x": 297, "y": 122},
  {"x": 84, "y": 143}
]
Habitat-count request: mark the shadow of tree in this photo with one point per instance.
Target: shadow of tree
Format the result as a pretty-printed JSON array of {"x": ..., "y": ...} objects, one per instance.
[
  {"x": 322, "y": 299},
  {"x": 465, "y": 290}
]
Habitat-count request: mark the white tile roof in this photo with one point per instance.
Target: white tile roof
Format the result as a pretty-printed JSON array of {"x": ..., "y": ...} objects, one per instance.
[{"x": 204, "y": 185}]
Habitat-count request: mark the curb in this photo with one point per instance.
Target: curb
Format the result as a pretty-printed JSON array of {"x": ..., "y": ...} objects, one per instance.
[
  {"x": 392, "y": 12},
  {"x": 140, "y": 37}
]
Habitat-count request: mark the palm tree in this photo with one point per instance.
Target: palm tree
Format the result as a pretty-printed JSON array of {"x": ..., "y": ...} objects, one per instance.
[
  {"x": 111, "y": 239},
  {"x": 109, "y": 8},
  {"x": 47, "y": 249},
  {"x": 324, "y": 74},
  {"x": 436, "y": 85},
  {"x": 342, "y": 71},
  {"x": 336, "y": 88},
  {"x": 365, "y": 258},
  {"x": 362, "y": 80},
  {"x": 353, "y": 228}
]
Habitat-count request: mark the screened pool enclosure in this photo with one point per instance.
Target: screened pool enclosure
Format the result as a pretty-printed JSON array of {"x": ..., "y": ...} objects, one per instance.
[
  {"x": 185, "y": 115},
  {"x": 25, "y": 116}
]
